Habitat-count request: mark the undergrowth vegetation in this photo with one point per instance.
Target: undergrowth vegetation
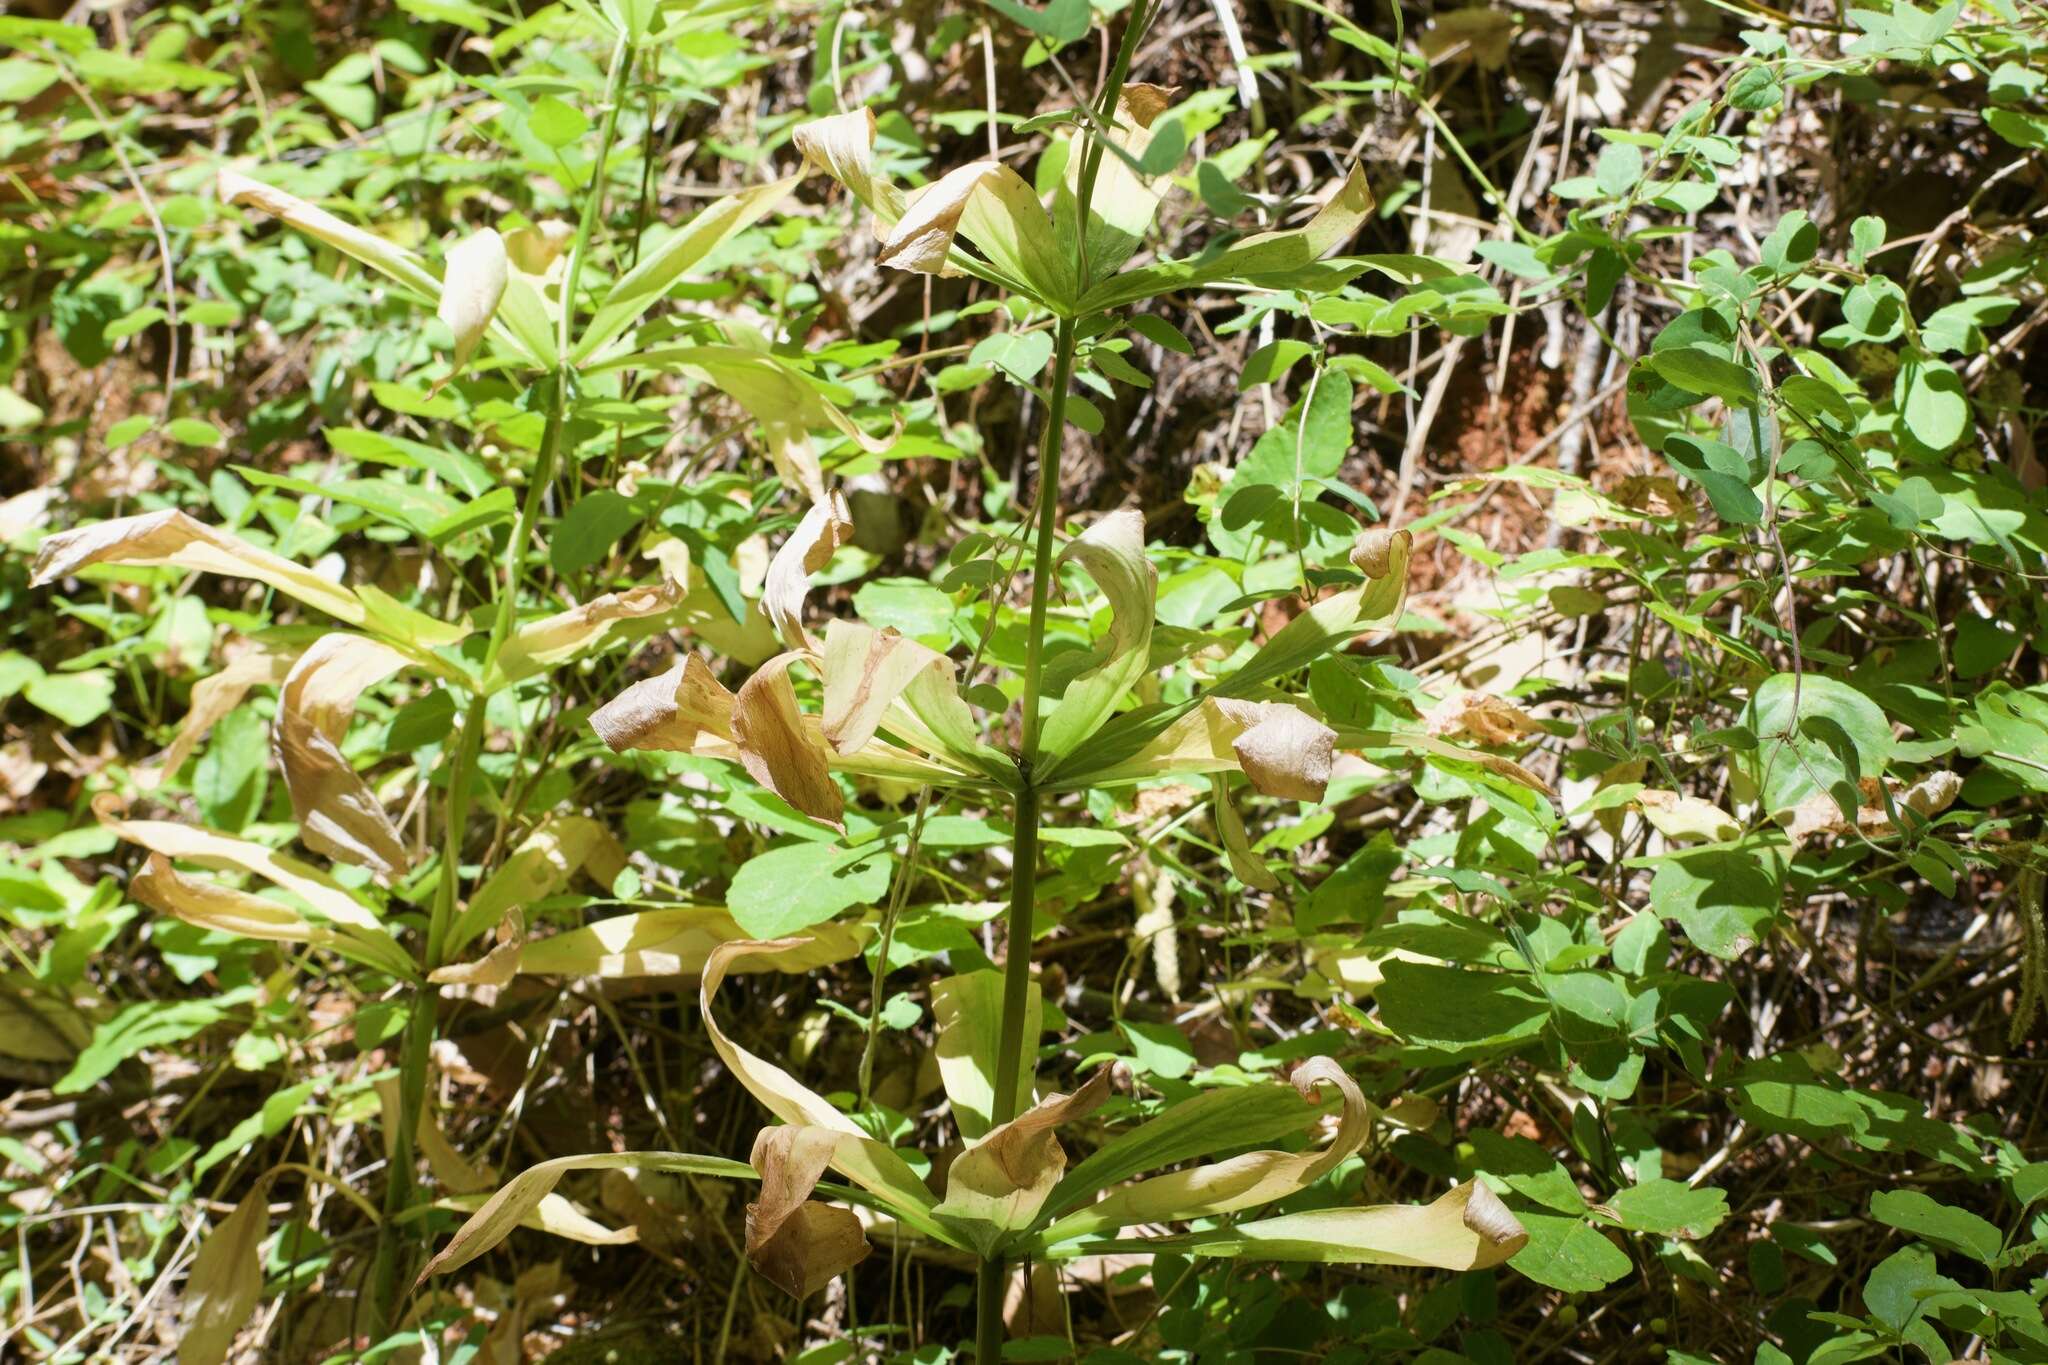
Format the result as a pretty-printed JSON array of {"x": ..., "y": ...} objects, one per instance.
[{"x": 1122, "y": 680}]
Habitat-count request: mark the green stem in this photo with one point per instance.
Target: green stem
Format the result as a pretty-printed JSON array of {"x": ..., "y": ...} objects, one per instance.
[
  {"x": 988, "y": 1312},
  {"x": 1047, "y": 507},
  {"x": 1017, "y": 955},
  {"x": 593, "y": 203},
  {"x": 424, "y": 1022}
]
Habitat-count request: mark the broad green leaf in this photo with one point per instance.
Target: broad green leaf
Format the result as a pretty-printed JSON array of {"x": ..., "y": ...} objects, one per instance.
[
  {"x": 1947, "y": 1227},
  {"x": 1725, "y": 898},
  {"x": 1790, "y": 764},
  {"x": 1670, "y": 1208},
  {"x": 968, "y": 1010},
  {"x": 800, "y": 885},
  {"x": 1567, "y": 1253},
  {"x": 1113, "y": 553},
  {"x": 646, "y": 283}
]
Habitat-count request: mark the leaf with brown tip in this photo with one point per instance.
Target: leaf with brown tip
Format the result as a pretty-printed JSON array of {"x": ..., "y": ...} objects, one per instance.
[
  {"x": 999, "y": 1184},
  {"x": 685, "y": 710},
  {"x": 1241, "y": 1182},
  {"x": 778, "y": 750},
  {"x": 338, "y": 813},
  {"x": 798, "y": 1244},
  {"x": 171, "y": 538}
]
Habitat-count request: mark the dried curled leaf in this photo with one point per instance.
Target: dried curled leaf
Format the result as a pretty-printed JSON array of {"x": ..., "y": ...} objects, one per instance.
[
  {"x": 867, "y": 1163},
  {"x": 685, "y": 710},
  {"x": 539, "y": 645},
  {"x": 985, "y": 201},
  {"x": 526, "y": 1194},
  {"x": 798, "y": 1244},
  {"x": 363, "y": 935},
  {"x": 1818, "y": 814},
  {"x": 810, "y": 547},
  {"x": 1245, "y": 864},
  {"x": 1482, "y": 718},
  {"x": 1468, "y": 1228},
  {"x": 496, "y": 966},
  {"x": 470, "y": 289},
  {"x": 999, "y": 1184},
  {"x": 171, "y": 538},
  {"x": 1241, "y": 1182},
  {"x": 866, "y": 672},
  {"x": 162, "y": 887},
  {"x": 777, "y": 749},
  {"x": 338, "y": 813},
  {"x": 212, "y": 698}
]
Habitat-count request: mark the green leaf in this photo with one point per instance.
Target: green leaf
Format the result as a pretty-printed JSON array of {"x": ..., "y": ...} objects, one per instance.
[
  {"x": 270, "y": 1119},
  {"x": 149, "y": 1024},
  {"x": 1789, "y": 764},
  {"x": 557, "y": 122},
  {"x": 1459, "y": 1010},
  {"x": 1702, "y": 372},
  {"x": 1670, "y": 1208},
  {"x": 190, "y": 431},
  {"x": 1062, "y": 21},
  {"x": 789, "y": 889},
  {"x": 1271, "y": 362},
  {"x": 1723, "y": 471},
  {"x": 1896, "y": 1286},
  {"x": 75, "y": 698},
  {"x": 1725, "y": 898},
  {"x": 1619, "y": 168},
  {"x": 590, "y": 530},
  {"x": 1161, "y": 333},
  {"x": 1791, "y": 243},
  {"x": 1569, "y": 1254},
  {"x": 1949, "y": 1228},
  {"x": 1932, "y": 401},
  {"x": 1159, "y": 1049},
  {"x": 1022, "y": 356}
]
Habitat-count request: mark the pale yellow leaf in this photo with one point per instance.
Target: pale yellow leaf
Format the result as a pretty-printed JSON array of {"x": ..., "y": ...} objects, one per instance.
[
  {"x": 338, "y": 813},
  {"x": 171, "y": 538}
]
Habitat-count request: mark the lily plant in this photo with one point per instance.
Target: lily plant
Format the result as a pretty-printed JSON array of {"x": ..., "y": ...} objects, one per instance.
[{"x": 888, "y": 707}]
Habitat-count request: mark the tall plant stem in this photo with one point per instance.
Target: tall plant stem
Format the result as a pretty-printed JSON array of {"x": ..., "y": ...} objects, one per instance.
[
  {"x": 423, "y": 1024},
  {"x": 1047, "y": 508},
  {"x": 1011, "y": 1047}
]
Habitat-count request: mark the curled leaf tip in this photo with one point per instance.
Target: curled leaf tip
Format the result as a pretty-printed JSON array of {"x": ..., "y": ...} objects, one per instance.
[{"x": 470, "y": 290}]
